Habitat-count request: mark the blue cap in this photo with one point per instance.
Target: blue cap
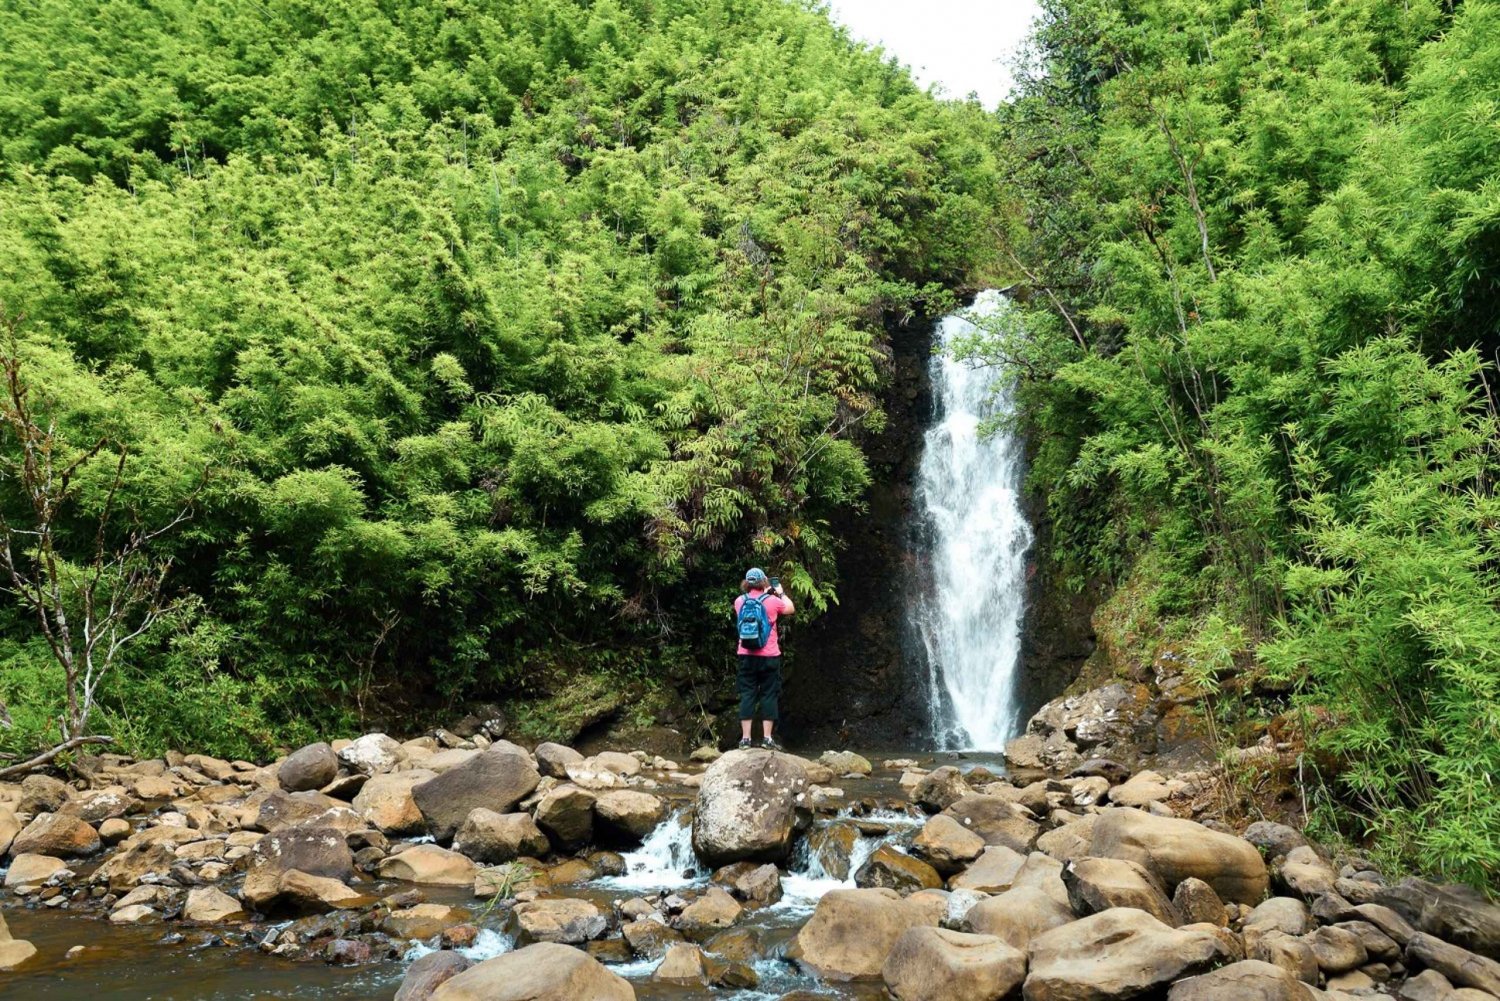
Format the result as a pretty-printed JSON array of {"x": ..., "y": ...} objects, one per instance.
[{"x": 755, "y": 575}]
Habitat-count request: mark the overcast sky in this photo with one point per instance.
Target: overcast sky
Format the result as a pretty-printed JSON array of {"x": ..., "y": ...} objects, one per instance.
[{"x": 962, "y": 45}]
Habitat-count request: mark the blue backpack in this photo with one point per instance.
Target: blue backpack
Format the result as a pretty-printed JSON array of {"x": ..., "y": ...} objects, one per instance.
[{"x": 754, "y": 623}]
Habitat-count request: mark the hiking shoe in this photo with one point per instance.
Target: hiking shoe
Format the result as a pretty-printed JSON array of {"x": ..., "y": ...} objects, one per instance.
[
  {"x": 744, "y": 743},
  {"x": 770, "y": 744}
]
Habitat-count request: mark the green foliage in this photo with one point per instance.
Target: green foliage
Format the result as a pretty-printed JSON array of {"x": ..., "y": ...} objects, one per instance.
[
  {"x": 521, "y": 326},
  {"x": 1259, "y": 295}
]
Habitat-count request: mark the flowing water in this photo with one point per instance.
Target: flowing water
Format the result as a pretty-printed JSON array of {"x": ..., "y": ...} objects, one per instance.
[{"x": 977, "y": 536}]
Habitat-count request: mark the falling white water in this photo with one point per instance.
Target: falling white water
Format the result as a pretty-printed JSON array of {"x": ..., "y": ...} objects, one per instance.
[
  {"x": 969, "y": 496},
  {"x": 664, "y": 861}
]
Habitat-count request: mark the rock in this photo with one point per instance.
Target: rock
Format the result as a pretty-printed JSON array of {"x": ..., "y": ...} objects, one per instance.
[
  {"x": 997, "y": 820},
  {"x": 1197, "y": 903},
  {"x": 649, "y": 937},
  {"x": 209, "y": 905},
  {"x": 1380, "y": 947},
  {"x": 1429, "y": 985},
  {"x": 1119, "y": 953},
  {"x": 1143, "y": 789},
  {"x": 934, "y": 964},
  {"x": 1462, "y": 967},
  {"x": 311, "y": 767},
  {"x": 845, "y": 763},
  {"x": 1097, "y": 884},
  {"x": 490, "y": 837},
  {"x": 1247, "y": 980},
  {"x": 546, "y": 971},
  {"x": 947, "y": 845},
  {"x": 348, "y": 952},
  {"x": 1337, "y": 950},
  {"x": 315, "y": 851},
  {"x": 1034, "y": 753},
  {"x": 1455, "y": 914},
  {"x": 553, "y": 759},
  {"x": 992, "y": 872},
  {"x": 1274, "y": 840},
  {"x": 307, "y": 894},
  {"x": 1281, "y": 950},
  {"x": 627, "y": 814},
  {"x": 566, "y": 814},
  {"x": 428, "y": 973},
  {"x": 748, "y": 808},
  {"x": 13, "y": 952},
  {"x": 889, "y": 868},
  {"x": 1037, "y": 901},
  {"x": 851, "y": 932},
  {"x": 308, "y": 808},
  {"x": 111, "y": 832},
  {"x": 42, "y": 794},
  {"x": 95, "y": 805},
  {"x": 1393, "y": 925},
  {"x": 134, "y": 860},
  {"x": 1070, "y": 841},
  {"x": 429, "y": 865},
  {"x": 1089, "y": 791},
  {"x": 1108, "y": 715},
  {"x": 497, "y": 779},
  {"x": 757, "y": 885},
  {"x": 422, "y": 921},
  {"x": 712, "y": 912},
  {"x": 625, "y": 765},
  {"x": 1111, "y": 771},
  {"x": 561, "y": 920},
  {"x": 940, "y": 789},
  {"x": 386, "y": 801},
  {"x": 134, "y": 914},
  {"x": 705, "y": 754},
  {"x": 1174, "y": 849},
  {"x": 682, "y": 964},
  {"x": 1304, "y": 874},
  {"x": 10, "y": 826},
  {"x": 830, "y": 847},
  {"x": 1284, "y": 914},
  {"x": 56, "y": 834},
  {"x": 372, "y": 754}
]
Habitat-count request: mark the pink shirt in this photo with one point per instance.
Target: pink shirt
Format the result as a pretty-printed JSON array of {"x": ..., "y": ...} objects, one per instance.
[{"x": 773, "y": 606}]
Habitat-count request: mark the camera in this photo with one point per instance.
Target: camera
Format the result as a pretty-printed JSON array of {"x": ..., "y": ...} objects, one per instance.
[{"x": 775, "y": 583}]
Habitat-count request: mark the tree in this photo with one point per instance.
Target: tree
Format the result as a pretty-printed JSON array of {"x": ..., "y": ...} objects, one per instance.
[{"x": 88, "y": 607}]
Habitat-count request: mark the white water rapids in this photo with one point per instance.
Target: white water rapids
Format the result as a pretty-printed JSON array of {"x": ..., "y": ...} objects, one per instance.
[{"x": 976, "y": 535}]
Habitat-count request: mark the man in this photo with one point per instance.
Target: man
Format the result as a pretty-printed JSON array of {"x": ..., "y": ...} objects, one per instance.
[{"x": 756, "y": 610}]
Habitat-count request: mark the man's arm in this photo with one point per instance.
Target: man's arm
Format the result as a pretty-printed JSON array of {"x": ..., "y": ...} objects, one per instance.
[{"x": 787, "y": 607}]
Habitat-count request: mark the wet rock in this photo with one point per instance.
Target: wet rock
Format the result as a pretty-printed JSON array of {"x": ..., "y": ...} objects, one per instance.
[
  {"x": 851, "y": 932},
  {"x": 134, "y": 914},
  {"x": 940, "y": 789},
  {"x": 845, "y": 763},
  {"x": 738, "y": 945},
  {"x": 559, "y": 920},
  {"x": 628, "y": 815},
  {"x": 428, "y": 973},
  {"x": 748, "y": 808},
  {"x": 1197, "y": 903},
  {"x": 997, "y": 820},
  {"x": 649, "y": 937},
  {"x": 490, "y": 837},
  {"x": 947, "y": 845},
  {"x": 1247, "y": 980},
  {"x": 542, "y": 972},
  {"x": 1462, "y": 967},
  {"x": 830, "y": 847},
  {"x": 1173, "y": 850},
  {"x": 992, "y": 872},
  {"x": 683, "y": 965},
  {"x": 497, "y": 779},
  {"x": 209, "y": 905},
  {"x": 1111, "y": 771},
  {"x": 422, "y": 921},
  {"x": 304, "y": 893},
  {"x": 316, "y": 851},
  {"x": 889, "y": 868},
  {"x": 372, "y": 754},
  {"x": 712, "y": 912},
  {"x": 56, "y": 834},
  {"x": 934, "y": 964},
  {"x": 756, "y": 885},
  {"x": 348, "y": 952},
  {"x": 429, "y": 865},
  {"x": 553, "y": 759},
  {"x": 566, "y": 814},
  {"x": 14, "y": 952},
  {"x": 1455, "y": 914},
  {"x": 1097, "y": 884},
  {"x": 1119, "y": 953},
  {"x": 311, "y": 767}
]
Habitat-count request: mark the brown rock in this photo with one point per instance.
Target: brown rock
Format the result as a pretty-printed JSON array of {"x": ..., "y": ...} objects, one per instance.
[
  {"x": 497, "y": 779},
  {"x": 1119, "y": 953},
  {"x": 311, "y": 767},
  {"x": 934, "y": 964},
  {"x": 1462, "y": 967},
  {"x": 712, "y": 912},
  {"x": 209, "y": 905},
  {"x": 756, "y": 885},
  {"x": 429, "y": 865},
  {"x": 422, "y": 921},
  {"x": 682, "y": 964},
  {"x": 748, "y": 808},
  {"x": 1244, "y": 981},
  {"x": 56, "y": 834},
  {"x": 428, "y": 973},
  {"x": 992, "y": 872},
  {"x": 889, "y": 868},
  {"x": 852, "y": 932},
  {"x": 559, "y": 920},
  {"x": 1174, "y": 849},
  {"x": 490, "y": 837},
  {"x": 1097, "y": 884},
  {"x": 947, "y": 845},
  {"x": 997, "y": 820},
  {"x": 628, "y": 815},
  {"x": 386, "y": 801},
  {"x": 940, "y": 789},
  {"x": 553, "y": 759},
  {"x": 1197, "y": 903},
  {"x": 543, "y": 972},
  {"x": 566, "y": 814}
]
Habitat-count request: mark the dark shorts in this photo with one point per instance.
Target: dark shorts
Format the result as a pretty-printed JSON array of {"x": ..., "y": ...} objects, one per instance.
[{"x": 759, "y": 681}]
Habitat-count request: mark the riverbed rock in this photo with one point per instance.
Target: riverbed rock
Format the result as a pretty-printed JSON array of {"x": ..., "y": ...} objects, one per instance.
[
  {"x": 566, "y": 813},
  {"x": 386, "y": 801},
  {"x": 1456, "y": 914},
  {"x": 940, "y": 789},
  {"x": 1462, "y": 967},
  {"x": 845, "y": 763},
  {"x": 42, "y": 794},
  {"x": 851, "y": 932},
  {"x": 210, "y": 905},
  {"x": 934, "y": 964},
  {"x": 490, "y": 837},
  {"x": 546, "y": 971},
  {"x": 553, "y": 759},
  {"x": 429, "y": 865},
  {"x": 1069, "y": 841},
  {"x": 497, "y": 779},
  {"x": 992, "y": 872},
  {"x": 422, "y": 921},
  {"x": 372, "y": 754},
  {"x": 1304, "y": 874},
  {"x": 559, "y": 920},
  {"x": 1174, "y": 849},
  {"x": 649, "y": 937},
  {"x": 56, "y": 834},
  {"x": 1097, "y": 884},
  {"x": 628, "y": 815},
  {"x": 947, "y": 845},
  {"x": 756, "y": 885},
  {"x": 1247, "y": 980},
  {"x": 1197, "y": 903},
  {"x": 1274, "y": 840},
  {"x": 830, "y": 846},
  {"x": 311, "y": 767},
  {"x": 430, "y": 972},
  {"x": 712, "y": 912},
  {"x": 13, "y": 952},
  {"x": 316, "y": 851},
  {"x": 308, "y": 894},
  {"x": 1337, "y": 950},
  {"x": 1119, "y": 953},
  {"x": 748, "y": 808},
  {"x": 10, "y": 826},
  {"x": 309, "y": 808},
  {"x": 892, "y": 869},
  {"x": 997, "y": 820},
  {"x": 136, "y": 858},
  {"x": 1037, "y": 901}
]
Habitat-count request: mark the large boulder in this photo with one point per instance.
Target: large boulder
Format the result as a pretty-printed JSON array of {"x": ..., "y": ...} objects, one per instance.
[
  {"x": 1174, "y": 849},
  {"x": 429, "y": 865},
  {"x": 315, "y": 851},
  {"x": 386, "y": 801},
  {"x": 311, "y": 767},
  {"x": 1462, "y": 967},
  {"x": 566, "y": 813},
  {"x": 997, "y": 820},
  {"x": 372, "y": 754},
  {"x": 749, "y": 807},
  {"x": 430, "y": 972},
  {"x": 553, "y": 759},
  {"x": 1097, "y": 884},
  {"x": 712, "y": 912},
  {"x": 10, "y": 826},
  {"x": 561, "y": 920},
  {"x": 890, "y": 868},
  {"x": 1119, "y": 953},
  {"x": 940, "y": 789},
  {"x": 496, "y": 779},
  {"x": 56, "y": 834},
  {"x": 992, "y": 872},
  {"x": 947, "y": 845},
  {"x": 13, "y": 952},
  {"x": 133, "y": 861},
  {"x": 1248, "y": 980},
  {"x": 1037, "y": 901},
  {"x": 934, "y": 964},
  {"x": 1456, "y": 914},
  {"x": 35, "y": 870},
  {"x": 209, "y": 905},
  {"x": 546, "y": 971},
  {"x": 628, "y": 815},
  {"x": 852, "y": 932},
  {"x": 490, "y": 837}
]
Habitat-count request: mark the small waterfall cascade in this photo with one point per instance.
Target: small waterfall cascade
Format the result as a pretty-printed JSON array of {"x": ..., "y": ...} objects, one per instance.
[
  {"x": 975, "y": 534},
  {"x": 665, "y": 860}
]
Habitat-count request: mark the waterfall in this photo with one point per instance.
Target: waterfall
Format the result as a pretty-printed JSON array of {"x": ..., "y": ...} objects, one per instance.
[
  {"x": 976, "y": 537},
  {"x": 664, "y": 861}
]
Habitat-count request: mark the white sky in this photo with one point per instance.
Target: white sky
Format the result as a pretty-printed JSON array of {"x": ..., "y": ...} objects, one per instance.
[{"x": 961, "y": 45}]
